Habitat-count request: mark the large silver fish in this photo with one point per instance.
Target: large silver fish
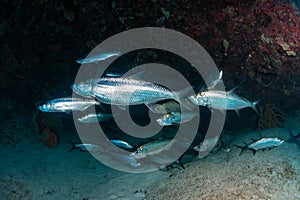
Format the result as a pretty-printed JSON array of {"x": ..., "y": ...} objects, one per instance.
[
  {"x": 127, "y": 91},
  {"x": 67, "y": 105},
  {"x": 95, "y": 118},
  {"x": 264, "y": 143},
  {"x": 97, "y": 58},
  {"x": 222, "y": 100},
  {"x": 175, "y": 118}
]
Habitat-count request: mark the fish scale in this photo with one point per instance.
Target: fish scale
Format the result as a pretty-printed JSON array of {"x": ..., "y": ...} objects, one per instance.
[{"x": 124, "y": 91}]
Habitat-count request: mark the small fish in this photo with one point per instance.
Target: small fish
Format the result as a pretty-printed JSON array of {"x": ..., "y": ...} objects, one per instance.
[
  {"x": 262, "y": 144},
  {"x": 175, "y": 118},
  {"x": 86, "y": 147},
  {"x": 67, "y": 105},
  {"x": 154, "y": 151},
  {"x": 127, "y": 91},
  {"x": 152, "y": 146},
  {"x": 97, "y": 58},
  {"x": 95, "y": 118},
  {"x": 222, "y": 100},
  {"x": 122, "y": 144},
  {"x": 164, "y": 108}
]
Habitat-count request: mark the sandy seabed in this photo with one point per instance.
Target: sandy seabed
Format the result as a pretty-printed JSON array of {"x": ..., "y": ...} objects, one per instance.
[{"x": 30, "y": 170}]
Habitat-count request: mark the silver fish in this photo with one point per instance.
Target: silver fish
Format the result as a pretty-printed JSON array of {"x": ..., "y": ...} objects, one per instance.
[
  {"x": 128, "y": 159},
  {"x": 222, "y": 100},
  {"x": 175, "y": 118},
  {"x": 86, "y": 147},
  {"x": 67, "y": 105},
  {"x": 126, "y": 91},
  {"x": 264, "y": 143},
  {"x": 122, "y": 144},
  {"x": 166, "y": 107},
  {"x": 97, "y": 58},
  {"x": 95, "y": 118},
  {"x": 152, "y": 146}
]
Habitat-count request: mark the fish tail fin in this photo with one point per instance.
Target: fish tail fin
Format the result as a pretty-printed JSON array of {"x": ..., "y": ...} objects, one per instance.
[
  {"x": 254, "y": 106},
  {"x": 182, "y": 97},
  {"x": 73, "y": 146}
]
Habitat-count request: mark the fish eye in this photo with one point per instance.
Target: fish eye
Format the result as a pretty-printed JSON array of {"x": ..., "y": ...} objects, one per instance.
[{"x": 202, "y": 93}]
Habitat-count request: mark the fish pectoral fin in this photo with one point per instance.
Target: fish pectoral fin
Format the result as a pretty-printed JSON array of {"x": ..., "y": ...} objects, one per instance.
[
  {"x": 237, "y": 112},
  {"x": 233, "y": 90}
]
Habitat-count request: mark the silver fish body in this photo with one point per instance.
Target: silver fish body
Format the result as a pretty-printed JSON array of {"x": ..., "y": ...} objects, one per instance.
[
  {"x": 95, "y": 118},
  {"x": 175, "y": 118},
  {"x": 152, "y": 146},
  {"x": 67, "y": 105},
  {"x": 264, "y": 143},
  {"x": 122, "y": 144},
  {"x": 87, "y": 147},
  {"x": 222, "y": 100},
  {"x": 97, "y": 58},
  {"x": 124, "y": 91}
]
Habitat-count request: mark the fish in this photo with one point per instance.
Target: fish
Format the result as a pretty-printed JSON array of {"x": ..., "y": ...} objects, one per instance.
[
  {"x": 152, "y": 146},
  {"x": 67, "y": 105},
  {"x": 154, "y": 151},
  {"x": 86, "y": 147},
  {"x": 262, "y": 144},
  {"x": 128, "y": 159},
  {"x": 122, "y": 144},
  {"x": 95, "y": 118},
  {"x": 97, "y": 58},
  {"x": 222, "y": 100},
  {"x": 165, "y": 107},
  {"x": 175, "y": 118},
  {"x": 127, "y": 91}
]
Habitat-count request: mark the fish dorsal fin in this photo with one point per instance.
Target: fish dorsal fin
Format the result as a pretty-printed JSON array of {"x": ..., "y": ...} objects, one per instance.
[{"x": 233, "y": 90}]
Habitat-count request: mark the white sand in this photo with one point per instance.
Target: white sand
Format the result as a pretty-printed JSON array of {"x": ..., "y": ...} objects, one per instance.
[{"x": 30, "y": 170}]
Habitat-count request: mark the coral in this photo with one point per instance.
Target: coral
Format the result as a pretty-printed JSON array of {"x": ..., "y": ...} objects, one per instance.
[
  {"x": 279, "y": 30},
  {"x": 270, "y": 116}
]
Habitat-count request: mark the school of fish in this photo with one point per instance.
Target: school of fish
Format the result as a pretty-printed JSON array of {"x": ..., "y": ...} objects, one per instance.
[{"x": 126, "y": 91}]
